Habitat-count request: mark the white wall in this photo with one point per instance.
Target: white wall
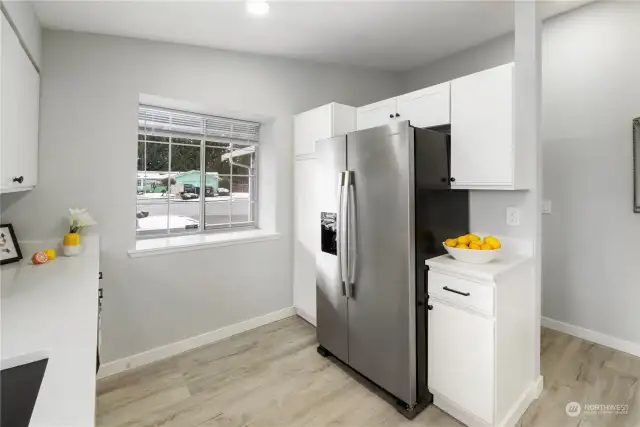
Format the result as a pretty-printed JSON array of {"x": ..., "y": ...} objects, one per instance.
[
  {"x": 24, "y": 17},
  {"x": 88, "y": 128},
  {"x": 590, "y": 94}
]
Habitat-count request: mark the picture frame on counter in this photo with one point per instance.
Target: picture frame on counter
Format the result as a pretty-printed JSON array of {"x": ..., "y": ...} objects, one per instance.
[{"x": 9, "y": 247}]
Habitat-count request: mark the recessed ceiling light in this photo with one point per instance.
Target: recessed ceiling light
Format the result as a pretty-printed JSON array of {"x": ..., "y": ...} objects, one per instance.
[{"x": 257, "y": 7}]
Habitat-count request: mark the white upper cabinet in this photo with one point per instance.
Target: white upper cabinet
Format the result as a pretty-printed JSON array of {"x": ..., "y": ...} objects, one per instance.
[
  {"x": 321, "y": 123},
  {"x": 377, "y": 114},
  {"x": 19, "y": 96},
  {"x": 426, "y": 107},
  {"x": 483, "y": 149}
]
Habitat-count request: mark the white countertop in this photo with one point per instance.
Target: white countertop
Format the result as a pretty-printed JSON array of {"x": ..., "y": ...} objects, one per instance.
[
  {"x": 51, "y": 310},
  {"x": 485, "y": 272}
]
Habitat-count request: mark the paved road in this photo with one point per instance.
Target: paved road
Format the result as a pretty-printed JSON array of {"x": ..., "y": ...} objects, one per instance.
[{"x": 216, "y": 212}]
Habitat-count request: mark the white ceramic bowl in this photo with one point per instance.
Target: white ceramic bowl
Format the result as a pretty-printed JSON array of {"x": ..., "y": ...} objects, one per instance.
[{"x": 472, "y": 256}]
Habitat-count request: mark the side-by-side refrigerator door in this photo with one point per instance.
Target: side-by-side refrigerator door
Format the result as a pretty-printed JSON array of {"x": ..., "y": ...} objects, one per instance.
[
  {"x": 381, "y": 262},
  {"x": 331, "y": 263}
]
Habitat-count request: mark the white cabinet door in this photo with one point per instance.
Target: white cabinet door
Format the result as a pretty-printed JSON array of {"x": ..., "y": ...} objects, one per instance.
[
  {"x": 426, "y": 107},
  {"x": 307, "y": 239},
  {"x": 482, "y": 129},
  {"x": 377, "y": 114},
  {"x": 19, "y": 93},
  {"x": 310, "y": 126},
  {"x": 461, "y": 356}
]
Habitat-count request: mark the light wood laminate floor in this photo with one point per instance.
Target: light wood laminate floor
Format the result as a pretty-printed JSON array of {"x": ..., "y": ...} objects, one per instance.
[{"x": 273, "y": 376}]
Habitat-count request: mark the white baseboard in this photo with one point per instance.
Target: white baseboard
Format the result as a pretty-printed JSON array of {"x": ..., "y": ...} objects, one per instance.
[
  {"x": 172, "y": 349},
  {"x": 593, "y": 336},
  {"x": 306, "y": 316},
  {"x": 510, "y": 420},
  {"x": 517, "y": 410}
]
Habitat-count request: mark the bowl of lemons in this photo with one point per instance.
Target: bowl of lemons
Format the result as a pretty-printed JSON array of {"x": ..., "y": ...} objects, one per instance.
[{"x": 471, "y": 248}]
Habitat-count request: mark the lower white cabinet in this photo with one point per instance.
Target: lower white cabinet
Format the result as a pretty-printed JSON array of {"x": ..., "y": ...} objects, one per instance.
[
  {"x": 19, "y": 96},
  {"x": 461, "y": 358},
  {"x": 481, "y": 343}
]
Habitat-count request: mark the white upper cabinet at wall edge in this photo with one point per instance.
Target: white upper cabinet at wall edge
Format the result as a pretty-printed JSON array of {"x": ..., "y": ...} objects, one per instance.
[
  {"x": 484, "y": 154},
  {"x": 320, "y": 123},
  {"x": 426, "y": 107},
  {"x": 377, "y": 114},
  {"x": 19, "y": 96}
]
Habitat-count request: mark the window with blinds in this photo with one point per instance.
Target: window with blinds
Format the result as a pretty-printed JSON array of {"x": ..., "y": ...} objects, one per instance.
[{"x": 195, "y": 172}]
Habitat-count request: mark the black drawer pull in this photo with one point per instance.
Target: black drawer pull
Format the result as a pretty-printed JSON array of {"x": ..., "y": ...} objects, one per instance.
[{"x": 466, "y": 294}]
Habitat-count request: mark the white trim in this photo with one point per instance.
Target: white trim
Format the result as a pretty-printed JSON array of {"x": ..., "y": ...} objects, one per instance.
[
  {"x": 178, "y": 347},
  {"x": 306, "y": 316},
  {"x": 510, "y": 420},
  {"x": 519, "y": 408},
  {"x": 593, "y": 336},
  {"x": 307, "y": 156},
  {"x": 173, "y": 244}
]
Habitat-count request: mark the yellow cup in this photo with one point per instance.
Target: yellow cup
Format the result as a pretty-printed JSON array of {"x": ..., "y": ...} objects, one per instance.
[{"x": 71, "y": 239}]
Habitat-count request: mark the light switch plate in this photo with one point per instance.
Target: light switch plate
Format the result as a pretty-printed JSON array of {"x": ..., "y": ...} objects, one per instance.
[
  {"x": 546, "y": 206},
  {"x": 513, "y": 216}
]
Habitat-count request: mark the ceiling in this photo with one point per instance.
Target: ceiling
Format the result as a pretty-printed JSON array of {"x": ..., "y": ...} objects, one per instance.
[{"x": 387, "y": 35}]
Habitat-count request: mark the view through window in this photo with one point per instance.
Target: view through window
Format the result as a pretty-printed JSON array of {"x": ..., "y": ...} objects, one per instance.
[{"x": 195, "y": 172}]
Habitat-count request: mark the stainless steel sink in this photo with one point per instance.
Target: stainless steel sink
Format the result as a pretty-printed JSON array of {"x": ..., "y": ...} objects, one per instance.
[{"x": 20, "y": 384}]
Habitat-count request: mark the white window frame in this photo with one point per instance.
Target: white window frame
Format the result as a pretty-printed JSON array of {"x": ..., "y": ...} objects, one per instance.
[{"x": 207, "y": 141}]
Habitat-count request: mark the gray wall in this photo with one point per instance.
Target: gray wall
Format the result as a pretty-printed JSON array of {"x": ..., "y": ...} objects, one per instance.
[
  {"x": 487, "y": 55},
  {"x": 590, "y": 94},
  {"x": 90, "y": 90}
]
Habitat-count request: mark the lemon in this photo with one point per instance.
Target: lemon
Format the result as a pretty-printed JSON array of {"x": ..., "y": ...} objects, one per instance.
[
  {"x": 452, "y": 243},
  {"x": 51, "y": 253},
  {"x": 486, "y": 247},
  {"x": 475, "y": 245},
  {"x": 473, "y": 237},
  {"x": 462, "y": 246},
  {"x": 493, "y": 242},
  {"x": 464, "y": 240}
]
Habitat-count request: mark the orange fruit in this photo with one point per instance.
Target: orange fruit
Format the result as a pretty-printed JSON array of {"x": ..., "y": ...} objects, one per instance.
[{"x": 39, "y": 258}]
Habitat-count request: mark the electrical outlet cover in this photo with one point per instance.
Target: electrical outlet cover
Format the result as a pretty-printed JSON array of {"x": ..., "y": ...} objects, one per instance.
[{"x": 513, "y": 216}]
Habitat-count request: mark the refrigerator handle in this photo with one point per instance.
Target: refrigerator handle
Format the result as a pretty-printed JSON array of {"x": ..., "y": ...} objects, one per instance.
[
  {"x": 342, "y": 233},
  {"x": 352, "y": 227}
]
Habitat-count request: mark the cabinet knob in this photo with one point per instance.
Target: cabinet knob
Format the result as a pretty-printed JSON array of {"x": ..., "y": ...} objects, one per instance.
[
  {"x": 430, "y": 307},
  {"x": 452, "y": 179},
  {"x": 391, "y": 116},
  {"x": 18, "y": 179},
  {"x": 397, "y": 115},
  {"x": 443, "y": 179}
]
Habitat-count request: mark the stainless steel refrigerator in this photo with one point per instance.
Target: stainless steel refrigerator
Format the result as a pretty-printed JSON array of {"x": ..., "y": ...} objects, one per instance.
[{"x": 385, "y": 205}]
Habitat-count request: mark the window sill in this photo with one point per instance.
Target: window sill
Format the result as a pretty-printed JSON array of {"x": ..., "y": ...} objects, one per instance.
[{"x": 173, "y": 244}]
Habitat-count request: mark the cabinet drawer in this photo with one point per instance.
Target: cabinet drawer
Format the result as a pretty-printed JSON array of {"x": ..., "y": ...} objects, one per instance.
[{"x": 460, "y": 292}]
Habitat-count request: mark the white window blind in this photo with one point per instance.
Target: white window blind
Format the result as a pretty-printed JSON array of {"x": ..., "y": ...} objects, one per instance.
[{"x": 161, "y": 121}]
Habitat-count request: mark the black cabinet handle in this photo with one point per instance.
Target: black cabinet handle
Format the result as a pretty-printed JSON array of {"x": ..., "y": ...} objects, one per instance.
[
  {"x": 430, "y": 307},
  {"x": 443, "y": 180},
  {"x": 466, "y": 294},
  {"x": 18, "y": 179},
  {"x": 391, "y": 116},
  {"x": 397, "y": 115},
  {"x": 452, "y": 179}
]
